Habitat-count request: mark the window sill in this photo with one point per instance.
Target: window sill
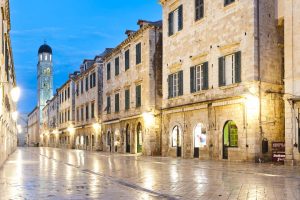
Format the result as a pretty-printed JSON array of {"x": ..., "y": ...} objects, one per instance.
[
  {"x": 230, "y": 5},
  {"x": 174, "y": 34},
  {"x": 201, "y": 92},
  {"x": 199, "y": 21},
  {"x": 234, "y": 85}
]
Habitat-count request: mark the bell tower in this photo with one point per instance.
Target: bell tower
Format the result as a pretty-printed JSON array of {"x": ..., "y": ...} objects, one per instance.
[{"x": 44, "y": 76}]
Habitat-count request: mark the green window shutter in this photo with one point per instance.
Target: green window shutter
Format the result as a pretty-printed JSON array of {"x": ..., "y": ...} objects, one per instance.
[
  {"x": 117, "y": 99},
  {"x": 199, "y": 9},
  {"x": 108, "y": 71},
  {"x": 170, "y": 86},
  {"x": 180, "y": 18},
  {"x": 138, "y": 53},
  {"x": 180, "y": 83},
  {"x": 193, "y": 79},
  {"x": 117, "y": 63},
  {"x": 87, "y": 83},
  {"x": 205, "y": 76},
  {"x": 127, "y": 99},
  {"x": 238, "y": 67},
  {"x": 127, "y": 61},
  {"x": 171, "y": 21},
  {"x": 138, "y": 96},
  {"x": 221, "y": 72},
  {"x": 108, "y": 105},
  {"x": 91, "y": 80}
]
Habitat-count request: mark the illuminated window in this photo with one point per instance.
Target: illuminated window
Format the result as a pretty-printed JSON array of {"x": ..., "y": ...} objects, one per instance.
[{"x": 176, "y": 137}]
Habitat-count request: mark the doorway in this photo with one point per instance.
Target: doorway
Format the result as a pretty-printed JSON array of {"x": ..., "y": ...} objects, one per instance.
[
  {"x": 139, "y": 138},
  {"x": 230, "y": 137},
  {"x": 127, "y": 139},
  {"x": 176, "y": 140}
]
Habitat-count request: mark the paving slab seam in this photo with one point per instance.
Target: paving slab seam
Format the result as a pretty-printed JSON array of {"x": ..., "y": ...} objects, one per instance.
[{"x": 116, "y": 180}]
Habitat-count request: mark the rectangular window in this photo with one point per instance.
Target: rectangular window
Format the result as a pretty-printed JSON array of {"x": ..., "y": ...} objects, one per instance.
[
  {"x": 108, "y": 71},
  {"x": 199, "y": 77},
  {"x": 94, "y": 79},
  {"x": 82, "y": 116},
  {"x": 117, "y": 66},
  {"x": 108, "y": 109},
  {"x": 117, "y": 102},
  {"x": 127, "y": 99},
  {"x": 175, "y": 84},
  {"x": 87, "y": 83},
  {"x": 81, "y": 85},
  {"x": 227, "y": 2},
  {"x": 93, "y": 110},
  {"x": 230, "y": 69},
  {"x": 77, "y": 89},
  {"x": 87, "y": 112},
  {"x": 199, "y": 9},
  {"x": 65, "y": 95},
  {"x": 91, "y": 80},
  {"x": 69, "y": 115},
  {"x": 138, "y": 50},
  {"x": 127, "y": 59},
  {"x": 68, "y": 92},
  {"x": 138, "y": 94},
  {"x": 175, "y": 20}
]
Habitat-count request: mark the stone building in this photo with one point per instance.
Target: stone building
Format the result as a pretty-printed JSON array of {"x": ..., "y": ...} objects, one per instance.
[
  {"x": 66, "y": 113},
  {"x": 132, "y": 92},
  {"x": 88, "y": 103},
  {"x": 34, "y": 127},
  {"x": 49, "y": 132},
  {"x": 222, "y": 79},
  {"x": 288, "y": 23},
  {"x": 8, "y": 126}
]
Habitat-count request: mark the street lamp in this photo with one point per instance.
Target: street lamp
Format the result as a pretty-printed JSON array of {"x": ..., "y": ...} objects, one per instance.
[
  {"x": 15, "y": 94},
  {"x": 149, "y": 118},
  {"x": 15, "y": 115},
  {"x": 19, "y": 127}
]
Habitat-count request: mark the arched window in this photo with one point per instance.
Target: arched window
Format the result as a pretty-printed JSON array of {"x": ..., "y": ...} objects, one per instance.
[
  {"x": 199, "y": 136},
  {"x": 176, "y": 137},
  {"x": 230, "y": 134}
]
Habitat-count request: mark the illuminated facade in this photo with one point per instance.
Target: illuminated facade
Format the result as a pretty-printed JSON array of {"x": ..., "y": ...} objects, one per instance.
[
  {"x": 132, "y": 92},
  {"x": 222, "y": 79},
  {"x": 8, "y": 108}
]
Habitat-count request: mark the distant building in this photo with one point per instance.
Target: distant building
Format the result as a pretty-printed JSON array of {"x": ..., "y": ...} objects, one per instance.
[
  {"x": 44, "y": 91},
  {"x": 132, "y": 92}
]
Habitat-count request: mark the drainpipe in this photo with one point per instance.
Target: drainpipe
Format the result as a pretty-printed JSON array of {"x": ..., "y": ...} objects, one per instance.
[{"x": 259, "y": 74}]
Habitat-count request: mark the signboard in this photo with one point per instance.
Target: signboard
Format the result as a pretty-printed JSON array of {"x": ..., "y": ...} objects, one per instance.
[{"x": 278, "y": 152}]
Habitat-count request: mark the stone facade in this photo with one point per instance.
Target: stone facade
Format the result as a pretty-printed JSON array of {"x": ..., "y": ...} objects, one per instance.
[
  {"x": 34, "y": 128},
  {"x": 237, "y": 37},
  {"x": 88, "y": 98},
  {"x": 288, "y": 22},
  {"x": 8, "y": 126},
  {"x": 132, "y": 92}
]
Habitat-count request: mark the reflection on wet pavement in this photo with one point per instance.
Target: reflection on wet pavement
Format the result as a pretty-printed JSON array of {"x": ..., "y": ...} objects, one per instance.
[{"x": 46, "y": 173}]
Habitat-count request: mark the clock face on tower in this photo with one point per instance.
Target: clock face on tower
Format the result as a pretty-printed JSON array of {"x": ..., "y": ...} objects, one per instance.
[{"x": 47, "y": 71}]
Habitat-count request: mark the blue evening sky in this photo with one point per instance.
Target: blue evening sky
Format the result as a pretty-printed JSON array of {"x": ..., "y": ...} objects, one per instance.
[{"x": 75, "y": 29}]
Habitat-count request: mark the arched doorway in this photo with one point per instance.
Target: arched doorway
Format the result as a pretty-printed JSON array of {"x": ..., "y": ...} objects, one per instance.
[
  {"x": 230, "y": 137},
  {"x": 176, "y": 140},
  {"x": 108, "y": 140},
  {"x": 199, "y": 139},
  {"x": 139, "y": 138},
  {"x": 127, "y": 139}
]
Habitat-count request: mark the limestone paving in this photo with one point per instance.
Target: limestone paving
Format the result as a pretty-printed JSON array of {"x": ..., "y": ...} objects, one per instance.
[{"x": 48, "y": 173}]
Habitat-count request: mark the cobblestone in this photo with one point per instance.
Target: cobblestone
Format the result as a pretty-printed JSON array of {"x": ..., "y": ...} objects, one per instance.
[{"x": 46, "y": 173}]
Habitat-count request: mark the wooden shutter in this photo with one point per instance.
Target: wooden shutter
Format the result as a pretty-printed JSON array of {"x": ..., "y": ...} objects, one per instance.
[
  {"x": 171, "y": 21},
  {"x": 117, "y": 66},
  {"x": 205, "y": 76},
  {"x": 138, "y": 96},
  {"x": 138, "y": 53},
  {"x": 127, "y": 60},
  {"x": 127, "y": 99},
  {"x": 180, "y": 17},
  {"x": 221, "y": 72},
  {"x": 193, "y": 79},
  {"x": 117, "y": 102},
  {"x": 170, "y": 86},
  {"x": 108, "y": 71},
  {"x": 180, "y": 83},
  {"x": 238, "y": 67}
]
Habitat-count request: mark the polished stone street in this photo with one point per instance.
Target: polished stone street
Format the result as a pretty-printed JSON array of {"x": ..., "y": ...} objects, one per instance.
[{"x": 46, "y": 173}]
